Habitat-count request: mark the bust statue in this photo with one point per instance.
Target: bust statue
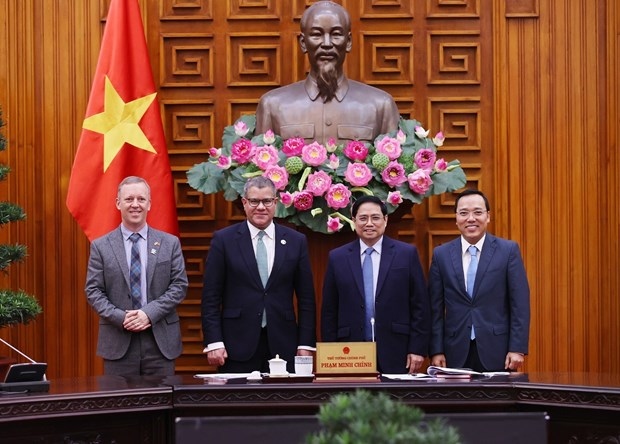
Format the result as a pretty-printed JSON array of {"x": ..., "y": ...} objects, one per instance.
[{"x": 327, "y": 104}]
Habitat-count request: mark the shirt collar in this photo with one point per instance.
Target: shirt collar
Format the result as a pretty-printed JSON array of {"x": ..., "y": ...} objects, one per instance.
[
  {"x": 270, "y": 231},
  {"x": 377, "y": 246},
  {"x": 465, "y": 245},
  {"x": 126, "y": 232},
  {"x": 313, "y": 91}
]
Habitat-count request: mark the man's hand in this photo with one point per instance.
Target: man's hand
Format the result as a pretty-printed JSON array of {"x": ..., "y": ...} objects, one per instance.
[
  {"x": 217, "y": 357},
  {"x": 136, "y": 321},
  {"x": 514, "y": 361},
  {"x": 438, "y": 360},
  {"x": 414, "y": 363}
]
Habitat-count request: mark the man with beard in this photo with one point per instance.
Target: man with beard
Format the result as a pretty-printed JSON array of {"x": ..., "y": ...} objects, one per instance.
[{"x": 326, "y": 104}]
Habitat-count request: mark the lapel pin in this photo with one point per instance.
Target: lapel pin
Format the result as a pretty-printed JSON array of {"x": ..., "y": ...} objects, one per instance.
[
  {"x": 156, "y": 244},
  {"x": 153, "y": 251},
  {"x": 283, "y": 242}
]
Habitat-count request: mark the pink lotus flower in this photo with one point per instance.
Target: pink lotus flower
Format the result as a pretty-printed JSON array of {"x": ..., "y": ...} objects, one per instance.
[
  {"x": 334, "y": 162},
  {"x": 318, "y": 183},
  {"x": 419, "y": 181},
  {"x": 338, "y": 196},
  {"x": 441, "y": 165},
  {"x": 358, "y": 174},
  {"x": 241, "y": 129},
  {"x": 331, "y": 145},
  {"x": 356, "y": 150},
  {"x": 215, "y": 152},
  {"x": 394, "y": 174},
  {"x": 395, "y": 198},
  {"x": 302, "y": 200},
  {"x": 292, "y": 147},
  {"x": 242, "y": 151},
  {"x": 401, "y": 137},
  {"x": 314, "y": 154},
  {"x": 266, "y": 156},
  {"x": 224, "y": 162},
  {"x": 390, "y": 147},
  {"x": 438, "y": 139},
  {"x": 278, "y": 175},
  {"x": 333, "y": 224},
  {"x": 269, "y": 137},
  {"x": 286, "y": 198},
  {"x": 425, "y": 159},
  {"x": 421, "y": 132}
]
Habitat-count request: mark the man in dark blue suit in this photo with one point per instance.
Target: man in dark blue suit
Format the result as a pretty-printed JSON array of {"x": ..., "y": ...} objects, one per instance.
[
  {"x": 480, "y": 319},
  {"x": 399, "y": 321},
  {"x": 246, "y": 322}
]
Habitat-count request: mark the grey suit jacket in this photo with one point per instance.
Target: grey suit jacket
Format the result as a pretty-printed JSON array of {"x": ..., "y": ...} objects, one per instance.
[{"x": 108, "y": 291}]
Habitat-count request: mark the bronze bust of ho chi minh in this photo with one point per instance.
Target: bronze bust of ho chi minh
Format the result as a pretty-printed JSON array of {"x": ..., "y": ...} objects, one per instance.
[{"x": 327, "y": 104}]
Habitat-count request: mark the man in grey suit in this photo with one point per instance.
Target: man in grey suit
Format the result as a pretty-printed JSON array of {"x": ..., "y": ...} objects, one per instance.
[
  {"x": 136, "y": 278},
  {"x": 480, "y": 297}
]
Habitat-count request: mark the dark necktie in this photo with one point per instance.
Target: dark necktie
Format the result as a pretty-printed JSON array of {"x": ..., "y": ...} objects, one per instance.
[
  {"x": 369, "y": 296},
  {"x": 135, "y": 272}
]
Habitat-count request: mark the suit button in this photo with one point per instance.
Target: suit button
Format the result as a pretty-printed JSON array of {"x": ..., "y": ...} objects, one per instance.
[{"x": 328, "y": 122}]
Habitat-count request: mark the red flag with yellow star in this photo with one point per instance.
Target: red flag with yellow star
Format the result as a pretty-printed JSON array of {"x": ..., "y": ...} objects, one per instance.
[{"x": 122, "y": 134}]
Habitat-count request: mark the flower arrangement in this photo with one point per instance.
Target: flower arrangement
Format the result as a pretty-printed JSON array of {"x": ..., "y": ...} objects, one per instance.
[{"x": 317, "y": 184}]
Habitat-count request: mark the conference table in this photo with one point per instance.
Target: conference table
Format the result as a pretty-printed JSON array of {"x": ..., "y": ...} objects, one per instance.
[{"x": 578, "y": 407}]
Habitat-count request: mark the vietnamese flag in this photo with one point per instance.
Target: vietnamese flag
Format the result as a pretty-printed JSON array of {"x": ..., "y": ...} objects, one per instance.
[{"x": 122, "y": 134}]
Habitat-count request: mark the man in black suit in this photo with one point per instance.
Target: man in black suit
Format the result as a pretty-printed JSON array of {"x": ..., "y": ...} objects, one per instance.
[{"x": 246, "y": 321}]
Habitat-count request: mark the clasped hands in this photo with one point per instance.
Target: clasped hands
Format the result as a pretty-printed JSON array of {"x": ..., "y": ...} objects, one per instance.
[{"x": 136, "y": 321}]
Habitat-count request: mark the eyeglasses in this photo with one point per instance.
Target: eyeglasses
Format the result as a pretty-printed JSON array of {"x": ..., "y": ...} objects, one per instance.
[
  {"x": 364, "y": 219},
  {"x": 266, "y": 202},
  {"x": 476, "y": 213}
]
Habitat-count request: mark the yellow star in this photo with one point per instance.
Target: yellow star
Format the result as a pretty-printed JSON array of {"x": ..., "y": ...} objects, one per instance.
[{"x": 119, "y": 123}]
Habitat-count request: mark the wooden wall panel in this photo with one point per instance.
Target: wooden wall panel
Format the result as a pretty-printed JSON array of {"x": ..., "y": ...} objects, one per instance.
[{"x": 526, "y": 92}]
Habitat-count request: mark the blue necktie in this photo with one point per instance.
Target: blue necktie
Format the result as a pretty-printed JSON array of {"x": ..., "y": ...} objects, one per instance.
[
  {"x": 471, "y": 278},
  {"x": 369, "y": 296},
  {"x": 263, "y": 266},
  {"x": 135, "y": 272},
  {"x": 471, "y": 271}
]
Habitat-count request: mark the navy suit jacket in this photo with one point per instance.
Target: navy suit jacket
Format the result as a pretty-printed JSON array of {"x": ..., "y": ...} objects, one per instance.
[
  {"x": 499, "y": 308},
  {"x": 402, "y": 313},
  {"x": 233, "y": 297}
]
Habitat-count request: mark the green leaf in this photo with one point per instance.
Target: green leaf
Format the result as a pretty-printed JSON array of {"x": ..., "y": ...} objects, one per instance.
[
  {"x": 206, "y": 177},
  {"x": 448, "y": 181},
  {"x": 17, "y": 307}
]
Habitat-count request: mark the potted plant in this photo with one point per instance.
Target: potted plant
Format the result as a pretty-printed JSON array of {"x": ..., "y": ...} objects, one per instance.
[
  {"x": 16, "y": 307},
  {"x": 363, "y": 417}
]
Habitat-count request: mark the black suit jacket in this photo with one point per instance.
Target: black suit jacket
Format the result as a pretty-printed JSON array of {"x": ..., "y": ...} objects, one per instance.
[{"x": 233, "y": 296}]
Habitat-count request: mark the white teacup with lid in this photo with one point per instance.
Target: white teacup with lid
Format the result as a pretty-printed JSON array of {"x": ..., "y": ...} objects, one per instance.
[{"x": 277, "y": 366}]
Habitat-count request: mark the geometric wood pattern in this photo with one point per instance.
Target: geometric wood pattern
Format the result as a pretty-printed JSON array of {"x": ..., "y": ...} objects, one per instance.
[{"x": 525, "y": 92}]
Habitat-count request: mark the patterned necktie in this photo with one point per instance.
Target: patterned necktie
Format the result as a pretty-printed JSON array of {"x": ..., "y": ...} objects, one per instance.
[
  {"x": 369, "y": 296},
  {"x": 135, "y": 272},
  {"x": 471, "y": 279},
  {"x": 263, "y": 266}
]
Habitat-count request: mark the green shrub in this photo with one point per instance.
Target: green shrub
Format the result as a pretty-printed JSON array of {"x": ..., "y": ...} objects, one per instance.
[{"x": 366, "y": 418}]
